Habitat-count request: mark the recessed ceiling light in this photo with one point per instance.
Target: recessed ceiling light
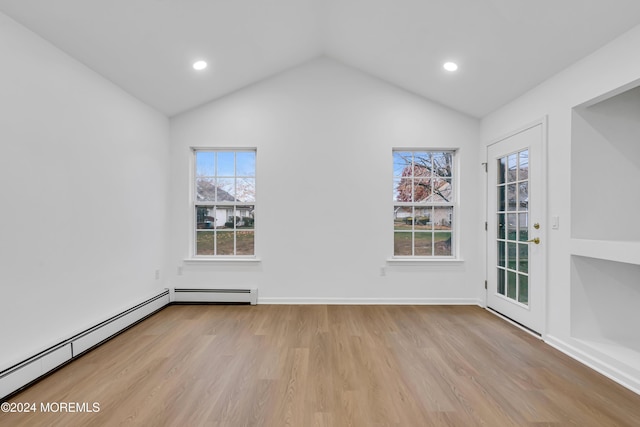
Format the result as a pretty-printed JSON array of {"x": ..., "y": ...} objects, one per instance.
[
  {"x": 450, "y": 66},
  {"x": 199, "y": 65}
]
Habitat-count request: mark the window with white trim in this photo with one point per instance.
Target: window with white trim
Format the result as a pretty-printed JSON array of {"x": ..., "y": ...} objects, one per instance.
[
  {"x": 224, "y": 202},
  {"x": 424, "y": 203}
]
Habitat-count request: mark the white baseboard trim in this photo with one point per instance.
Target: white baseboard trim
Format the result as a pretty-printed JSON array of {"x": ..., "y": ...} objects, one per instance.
[
  {"x": 369, "y": 301},
  {"x": 595, "y": 363}
]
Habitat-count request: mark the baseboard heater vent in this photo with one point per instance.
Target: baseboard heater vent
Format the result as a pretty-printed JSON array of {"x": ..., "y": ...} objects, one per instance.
[
  {"x": 216, "y": 296},
  {"x": 23, "y": 374}
]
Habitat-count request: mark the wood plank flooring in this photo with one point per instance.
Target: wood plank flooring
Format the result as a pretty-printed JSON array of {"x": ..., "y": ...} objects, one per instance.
[{"x": 319, "y": 366}]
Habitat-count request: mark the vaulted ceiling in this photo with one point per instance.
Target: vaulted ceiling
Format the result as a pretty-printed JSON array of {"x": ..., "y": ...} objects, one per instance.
[{"x": 503, "y": 47}]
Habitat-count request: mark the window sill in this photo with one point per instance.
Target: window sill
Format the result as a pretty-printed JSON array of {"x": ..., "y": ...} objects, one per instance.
[
  {"x": 424, "y": 261},
  {"x": 221, "y": 260}
]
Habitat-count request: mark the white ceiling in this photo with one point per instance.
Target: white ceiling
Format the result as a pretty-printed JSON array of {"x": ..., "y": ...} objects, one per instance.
[{"x": 503, "y": 47}]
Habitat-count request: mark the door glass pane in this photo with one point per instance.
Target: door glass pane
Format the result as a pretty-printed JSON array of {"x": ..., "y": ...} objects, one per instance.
[
  {"x": 502, "y": 170},
  {"x": 523, "y": 163},
  {"x": 512, "y": 202},
  {"x": 501, "y": 199},
  {"x": 523, "y": 289},
  {"x": 512, "y": 190},
  {"x": 511, "y": 284},
  {"x": 523, "y": 226},
  {"x": 511, "y": 255},
  {"x": 501, "y": 285},
  {"x": 523, "y": 196},
  {"x": 501, "y": 226},
  {"x": 512, "y": 168},
  {"x": 523, "y": 258},
  {"x": 502, "y": 259}
]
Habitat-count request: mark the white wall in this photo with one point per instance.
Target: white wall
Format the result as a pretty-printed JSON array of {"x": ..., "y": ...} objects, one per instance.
[
  {"x": 324, "y": 134},
  {"x": 83, "y": 178},
  {"x": 611, "y": 67}
]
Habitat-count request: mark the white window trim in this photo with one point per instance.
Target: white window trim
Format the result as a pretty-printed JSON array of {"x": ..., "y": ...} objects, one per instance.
[
  {"x": 455, "y": 257},
  {"x": 193, "y": 258}
]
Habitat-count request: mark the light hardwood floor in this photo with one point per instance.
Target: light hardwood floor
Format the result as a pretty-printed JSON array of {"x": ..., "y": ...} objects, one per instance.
[{"x": 272, "y": 365}]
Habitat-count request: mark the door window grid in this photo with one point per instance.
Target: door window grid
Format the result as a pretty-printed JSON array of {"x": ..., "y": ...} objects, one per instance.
[{"x": 513, "y": 226}]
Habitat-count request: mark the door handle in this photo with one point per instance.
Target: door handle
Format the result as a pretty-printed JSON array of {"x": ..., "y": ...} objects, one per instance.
[{"x": 535, "y": 240}]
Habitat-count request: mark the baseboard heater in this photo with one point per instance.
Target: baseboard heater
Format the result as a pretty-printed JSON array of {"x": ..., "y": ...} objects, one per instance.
[
  {"x": 216, "y": 296},
  {"x": 23, "y": 374}
]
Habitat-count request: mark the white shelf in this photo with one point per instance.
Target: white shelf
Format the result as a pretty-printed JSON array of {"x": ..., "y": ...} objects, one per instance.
[{"x": 610, "y": 250}]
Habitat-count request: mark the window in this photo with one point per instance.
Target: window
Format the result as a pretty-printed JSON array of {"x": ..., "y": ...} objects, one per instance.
[
  {"x": 224, "y": 202},
  {"x": 424, "y": 203}
]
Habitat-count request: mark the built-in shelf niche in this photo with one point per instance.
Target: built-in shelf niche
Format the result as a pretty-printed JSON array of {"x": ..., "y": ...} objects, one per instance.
[
  {"x": 605, "y": 231},
  {"x": 605, "y": 168},
  {"x": 605, "y": 310}
]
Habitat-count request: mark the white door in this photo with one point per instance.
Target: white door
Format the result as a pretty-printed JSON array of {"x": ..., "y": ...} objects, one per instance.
[{"x": 515, "y": 282}]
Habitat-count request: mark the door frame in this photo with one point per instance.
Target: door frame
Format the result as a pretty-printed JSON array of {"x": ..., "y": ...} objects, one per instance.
[{"x": 543, "y": 122}]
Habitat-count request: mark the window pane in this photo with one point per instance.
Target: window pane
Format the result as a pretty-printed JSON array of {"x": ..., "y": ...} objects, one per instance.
[
  {"x": 423, "y": 218},
  {"x": 402, "y": 243},
  {"x": 397, "y": 190},
  {"x": 442, "y": 164},
  {"x": 205, "y": 217},
  {"x": 205, "y": 189},
  {"x": 404, "y": 190},
  {"x": 246, "y": 189},
  {"x": 422, "y": 244},
  {"x": 442, "y": 243},
  {"x": 225, "y": 190},
  {"x": 421, "y": 189},
  {"x": 204, "y": 242},
  {"x": 226, "y": 163},
  {"x": 511, "y": 226},
  {"x": 245, "y": 242},
  {"x": 246, "y": 163},
  {"x": 442, "y": 190},
  {"x": 403, "y": 218},
  {"x": 224, "y": 242},
  {"x": 401, "y": 163},
  {"x": 205, "y": 163},
  {"x": 501, "y": 226},
  {"x": 244, "y": 217},
  {"x": 501, "y": 199},
  {"x": 422, "y": 163},
  {"x": 442, "y": 217}
]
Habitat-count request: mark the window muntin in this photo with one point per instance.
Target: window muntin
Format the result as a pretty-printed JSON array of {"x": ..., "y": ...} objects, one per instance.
[
  {"x": 424, "y": 203},
  {"x": 224, "y": 202}
]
